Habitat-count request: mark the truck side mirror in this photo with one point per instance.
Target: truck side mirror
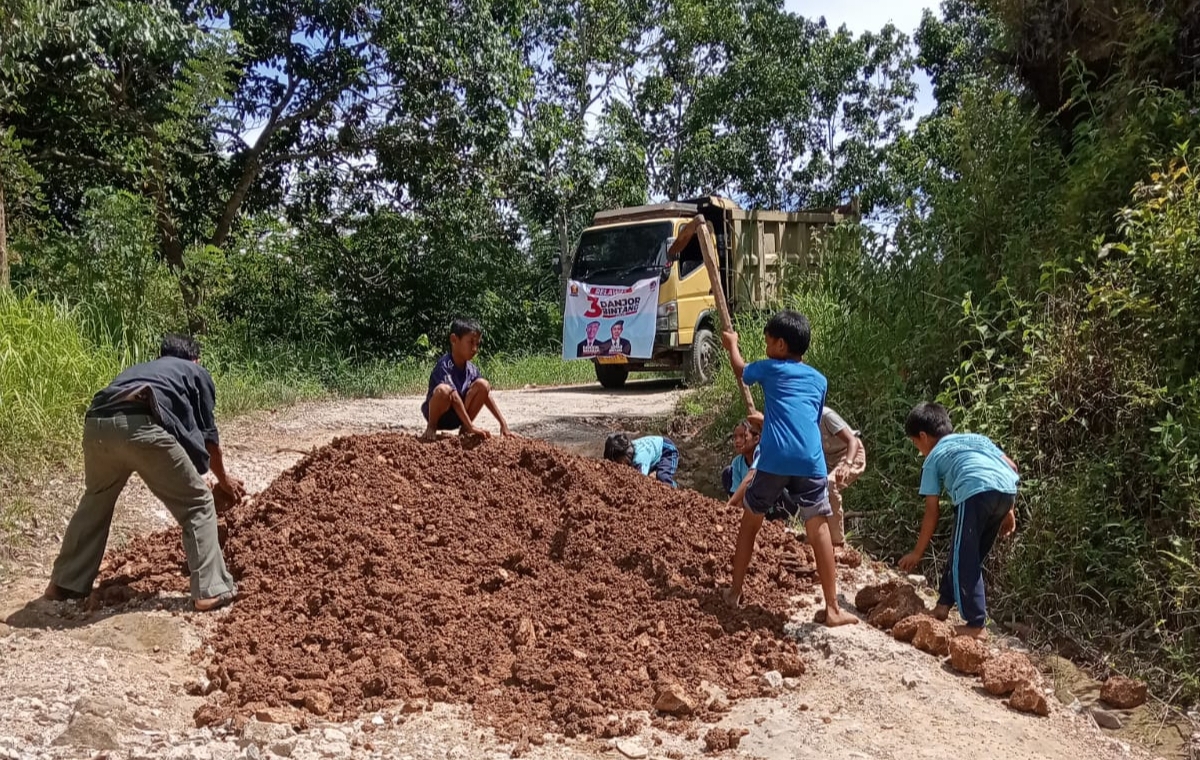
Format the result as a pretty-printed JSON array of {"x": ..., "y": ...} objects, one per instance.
[
  {"x": 672, "y": 254},
  {"x": 556, "y": 264}
]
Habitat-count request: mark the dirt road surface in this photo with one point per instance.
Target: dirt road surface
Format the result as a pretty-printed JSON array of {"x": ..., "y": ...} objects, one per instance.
[{"x": 112, "y": 684}]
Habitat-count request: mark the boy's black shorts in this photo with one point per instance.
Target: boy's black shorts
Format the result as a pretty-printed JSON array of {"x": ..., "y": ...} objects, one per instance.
[{"x": 780, "y": 497}]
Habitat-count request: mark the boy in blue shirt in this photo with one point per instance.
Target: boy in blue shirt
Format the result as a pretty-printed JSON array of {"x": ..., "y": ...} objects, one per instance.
[
  {"x": 457, "y": 392},
  {"x": 745, "y": 443},
  {"x": 652, "y": 454},
  {"x": 790, "y": 479},
  {"x": 982, "y": 483}
]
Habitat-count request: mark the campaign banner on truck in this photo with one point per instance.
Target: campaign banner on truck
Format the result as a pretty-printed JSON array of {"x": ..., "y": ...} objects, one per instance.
[{"x": 610, "y": 323}]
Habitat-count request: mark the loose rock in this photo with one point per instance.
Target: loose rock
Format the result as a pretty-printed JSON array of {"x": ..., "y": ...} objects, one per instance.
[
  {"x": 674, "y": 700},
  {"x": 898, "y": 605},
  {"x": 967, "y": 655},
  {"x": 1027, "y": 697},
  {"x": 869, "y": 596},
  {"x": 933, "y": 636},
  {"x": 905, "y": 629},
  {"x": 1004, "y": 672},
  {"x": 631, "y": 749},
  {"x": 773, "y": 680},
  {"x": 1123, "y": 693},
  {"x": 1106, "y": 719},
  {"x": 722, "y": 739}
]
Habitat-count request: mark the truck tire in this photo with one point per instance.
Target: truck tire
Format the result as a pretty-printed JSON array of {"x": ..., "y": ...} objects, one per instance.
[
  {"x": 612, "y": 375},
  {"x": 704, "y": 358}
]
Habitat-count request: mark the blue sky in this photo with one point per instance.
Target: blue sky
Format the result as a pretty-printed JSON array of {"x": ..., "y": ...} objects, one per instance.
[{"x": 872, "y": 15}]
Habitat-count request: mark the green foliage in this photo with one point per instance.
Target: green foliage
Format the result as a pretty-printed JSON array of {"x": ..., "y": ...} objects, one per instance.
[{"x": 48, "y": 373}]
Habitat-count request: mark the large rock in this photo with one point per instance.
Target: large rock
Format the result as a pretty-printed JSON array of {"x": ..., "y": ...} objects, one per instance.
[
  {"x": 1005, "y": 672},
  {"x": 1027, "y": 697},
  {"x": 265, "y": 734},
  {"x": 673, "y": 699},
  {"x": 96, "y": 723},
  {"x": 1123, "y": 693},
  {"x": 933, "y": 636},
  {"x": 907, "y": 628},
  {"x": 967, "y": 655},
  {"x": 901, "y": 603},
  {"x": 870, "y": 596}
]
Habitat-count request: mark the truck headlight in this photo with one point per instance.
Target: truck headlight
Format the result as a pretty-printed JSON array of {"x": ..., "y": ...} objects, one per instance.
[{"x": 668, "y": 317}]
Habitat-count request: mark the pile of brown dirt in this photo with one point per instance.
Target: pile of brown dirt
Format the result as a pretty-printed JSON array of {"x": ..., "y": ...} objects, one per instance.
[{"x": 546, "y": 590}]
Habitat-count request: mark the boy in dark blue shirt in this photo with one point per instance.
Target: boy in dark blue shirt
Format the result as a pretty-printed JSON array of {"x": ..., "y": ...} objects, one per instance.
[
  {"x": 982, "y": 483},
  {"x": 457, "y": 392},
  {"x": 790, "y": 479}
]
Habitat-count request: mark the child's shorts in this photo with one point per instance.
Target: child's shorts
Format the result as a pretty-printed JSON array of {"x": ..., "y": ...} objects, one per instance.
[
  {"x": 781, "y": 497},
  {"x": 448, "y": 421}
]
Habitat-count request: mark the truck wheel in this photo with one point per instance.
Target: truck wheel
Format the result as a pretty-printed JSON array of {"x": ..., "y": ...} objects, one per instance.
[
  {"x": 704, "y": 359},
  {"x": 612, "y": 375}
]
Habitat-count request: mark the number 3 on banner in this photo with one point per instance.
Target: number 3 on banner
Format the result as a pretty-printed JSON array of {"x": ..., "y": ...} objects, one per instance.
[{"x": 593, "y": 310}]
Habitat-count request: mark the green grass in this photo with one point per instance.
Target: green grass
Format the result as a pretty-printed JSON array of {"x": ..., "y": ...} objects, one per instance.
[{"x": 50, "y": 366}]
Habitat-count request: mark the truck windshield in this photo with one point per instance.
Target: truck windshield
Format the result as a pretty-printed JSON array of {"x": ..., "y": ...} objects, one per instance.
[{"x": 620, "y": 251}]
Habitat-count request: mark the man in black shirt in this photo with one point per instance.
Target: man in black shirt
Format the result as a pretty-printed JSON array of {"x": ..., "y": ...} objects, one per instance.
[{"x": 155, "y": 419}]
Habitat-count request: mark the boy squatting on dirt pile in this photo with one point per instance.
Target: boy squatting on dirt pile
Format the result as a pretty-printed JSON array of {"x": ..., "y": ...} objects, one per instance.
[{"x": 155, "y": 419}]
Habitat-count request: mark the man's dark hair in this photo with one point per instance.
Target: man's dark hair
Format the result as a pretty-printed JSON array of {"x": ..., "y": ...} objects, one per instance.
[
  {"x": 619, "y": 322},
  {"x": 618, "y": 448},
  {"x": 793, "y": 329},
  {"x": 931, "y": 419},
  {"x": 179, "y": 346},
  {"x": 461, "y": 327}
]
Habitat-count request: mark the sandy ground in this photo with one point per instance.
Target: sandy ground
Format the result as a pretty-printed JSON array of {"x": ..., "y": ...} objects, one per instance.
[{"x": 112, "y": 685}]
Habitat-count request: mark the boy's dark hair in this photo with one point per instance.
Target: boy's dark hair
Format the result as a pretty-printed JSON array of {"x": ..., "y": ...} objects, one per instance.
[
  {"x": 792, "y": 328},
  {"x": 461, "y": 327},
  {"x": 929, "y": 418},
  {"x": 618, "y": 447},
  {"x": 179, "y": 346}
]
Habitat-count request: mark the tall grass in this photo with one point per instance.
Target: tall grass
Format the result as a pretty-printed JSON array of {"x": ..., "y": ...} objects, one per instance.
[
  {"x": 53, "y": 358},
  {"x": 48, "y": 373}
]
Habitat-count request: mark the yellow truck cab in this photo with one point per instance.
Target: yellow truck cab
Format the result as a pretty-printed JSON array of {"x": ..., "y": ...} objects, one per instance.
[{"x": 757, "y": 250}]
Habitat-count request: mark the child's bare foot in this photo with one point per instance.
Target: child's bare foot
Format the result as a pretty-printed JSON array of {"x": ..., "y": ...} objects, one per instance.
[
  {"x": 834, "y": 617},
  {"x": 732, "y": 600},
  {"x": 430, "y": 434},
  {"x": 966, "y": 630},
  {"x": 941, "y": 612}
]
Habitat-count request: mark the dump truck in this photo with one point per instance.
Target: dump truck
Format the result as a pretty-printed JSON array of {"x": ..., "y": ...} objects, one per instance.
[{"x": 757, "y": 251}]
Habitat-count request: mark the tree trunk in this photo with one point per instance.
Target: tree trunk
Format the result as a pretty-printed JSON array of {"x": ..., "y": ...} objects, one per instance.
[
  {"x": 564, "y": 251},
  {"x": 4, "y": 276}
]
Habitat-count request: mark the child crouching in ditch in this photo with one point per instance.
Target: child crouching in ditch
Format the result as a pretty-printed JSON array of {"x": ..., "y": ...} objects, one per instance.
[
  {"x": 652, "y": 454},
  {"x": 736, "y": 473}
]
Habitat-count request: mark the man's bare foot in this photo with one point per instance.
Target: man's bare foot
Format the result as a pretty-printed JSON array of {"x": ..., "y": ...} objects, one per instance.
[
  {"x": 941, "y": 612},
  {"x": 430, "y": 434},
  {"x": 212, "y": 602},
  {"x": 975, "y": 633},
  {"x": 732, "y": 600},
  {"x": 833, "y": 617},
  {"x": 59, "y": 594}
]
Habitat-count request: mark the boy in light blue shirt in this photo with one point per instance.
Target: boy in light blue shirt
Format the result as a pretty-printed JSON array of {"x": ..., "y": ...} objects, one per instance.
[
  {"x": 652, "y": 454},
  {"x": 982, "y": 483},
  {"x": 745, "y": 443},
  {"x": 789, "y": 480}
]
